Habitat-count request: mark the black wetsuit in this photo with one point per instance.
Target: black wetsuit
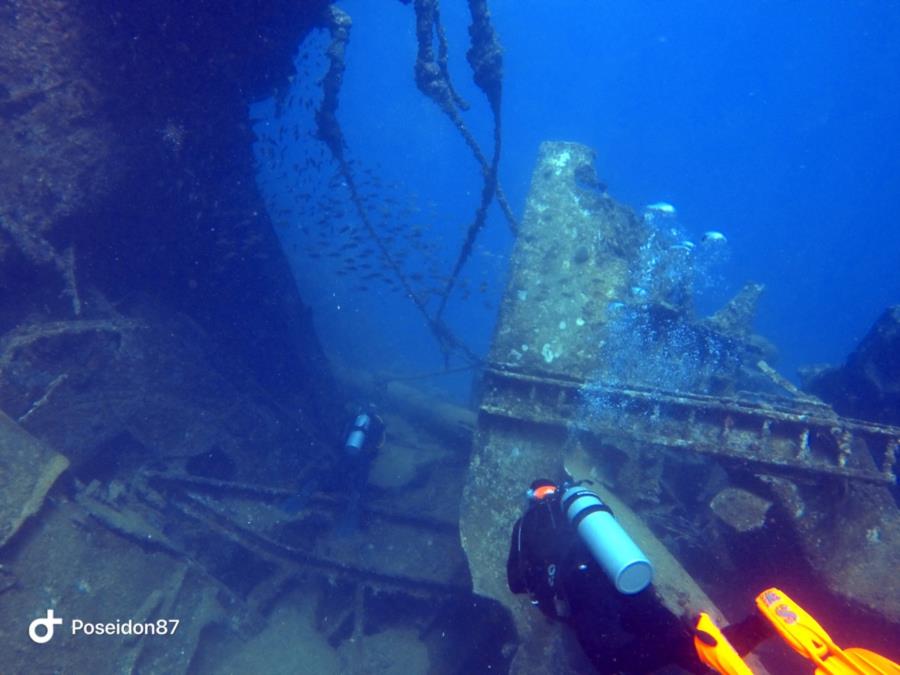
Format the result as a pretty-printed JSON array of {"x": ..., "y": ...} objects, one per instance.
[{"x": 618, "y": 633}]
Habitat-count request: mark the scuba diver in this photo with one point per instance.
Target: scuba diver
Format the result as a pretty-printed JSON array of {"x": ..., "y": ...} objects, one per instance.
[
  {"x": 581, "y": 567},
  {"x": 362, "y": 439},
  {"x": 349, "y": 474},
  {"x": 559, "y": 555}
]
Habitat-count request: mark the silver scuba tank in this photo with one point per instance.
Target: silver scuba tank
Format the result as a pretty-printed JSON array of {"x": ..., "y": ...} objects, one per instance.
[
  {"x": 357, "y": 435},
  {"x": 619, "y": 557}
]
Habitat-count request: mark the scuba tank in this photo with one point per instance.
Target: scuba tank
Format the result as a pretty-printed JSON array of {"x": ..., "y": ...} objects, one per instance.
[
  {"x": 619, "y": 557},
  {"x": 356, "y": 436},
  {"x": 366, "y": 431}
]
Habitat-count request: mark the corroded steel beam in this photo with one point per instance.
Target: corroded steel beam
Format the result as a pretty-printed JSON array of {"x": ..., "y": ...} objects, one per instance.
[{"x": 762, "y": 434}]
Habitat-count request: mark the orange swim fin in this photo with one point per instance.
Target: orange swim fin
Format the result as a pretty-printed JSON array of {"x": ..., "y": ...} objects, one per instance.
[
  {"x": 715, "y": 650},
  {"x": 870, "y": 662},
  {"x": 809, "y": 639}
]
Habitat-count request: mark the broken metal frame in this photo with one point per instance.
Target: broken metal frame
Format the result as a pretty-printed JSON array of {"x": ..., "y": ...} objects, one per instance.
[
  {"x": 217, "y": 509},
  {"x": 779, "y": 436},
  {"x": 265, "y": 493},
  {"x": 204, "y": 502}
]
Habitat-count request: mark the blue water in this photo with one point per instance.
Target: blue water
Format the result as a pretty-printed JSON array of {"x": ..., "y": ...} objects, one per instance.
[{"x": 773, "y": 122}]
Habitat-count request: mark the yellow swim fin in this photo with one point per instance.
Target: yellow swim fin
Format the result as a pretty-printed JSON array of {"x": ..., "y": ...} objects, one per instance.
[
  {"x": 809, "y": 639},
  {"x": 715, "y": 650}
]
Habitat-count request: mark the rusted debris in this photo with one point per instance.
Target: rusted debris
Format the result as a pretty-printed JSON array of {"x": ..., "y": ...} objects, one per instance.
[
  {"x": 361, "y": 559},
  {"x": 740, "y": 509},
  {"x": 28, "y": 469}
]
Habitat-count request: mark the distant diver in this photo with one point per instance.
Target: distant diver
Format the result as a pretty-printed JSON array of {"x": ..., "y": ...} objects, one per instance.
[
  {"x": 363, "y": 438},
  {"x": 577, "y": 563}
]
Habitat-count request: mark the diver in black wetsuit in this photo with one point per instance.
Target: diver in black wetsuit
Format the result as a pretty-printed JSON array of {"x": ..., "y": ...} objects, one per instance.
[
  {"x": 619, "y": 632},
  {"x": 348, "y": 476},
  {"x": 581, "y": 567},
  {"x": 363, "y": 438}
]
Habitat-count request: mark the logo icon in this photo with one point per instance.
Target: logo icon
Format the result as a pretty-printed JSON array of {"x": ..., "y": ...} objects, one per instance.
[{"x": 47, "y": 624}]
